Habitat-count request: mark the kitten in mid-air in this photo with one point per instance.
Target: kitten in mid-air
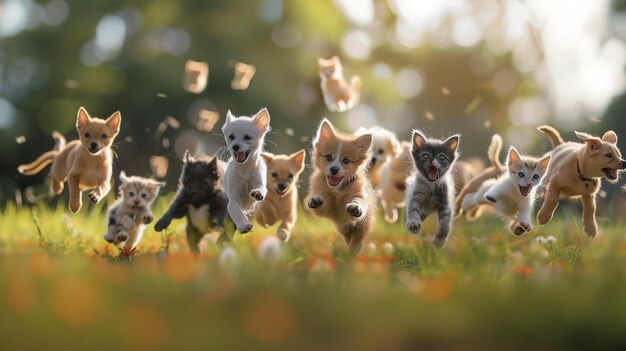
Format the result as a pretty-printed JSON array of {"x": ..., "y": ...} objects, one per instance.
[
  {"x": 281, "y": 202},
  {"x": 385, "y": 146},
  {"x": 201, "y": 199},
  {"x": 340, "y": 189},
  {"x": 338, "y": 94},
  {"x": 513, "y": 193},
  {"x": 245, "y": 179},
  {"x": 393, "y": 175},
  {"x": 128, "y": 216},
  {"x": 431, "y": 189}
]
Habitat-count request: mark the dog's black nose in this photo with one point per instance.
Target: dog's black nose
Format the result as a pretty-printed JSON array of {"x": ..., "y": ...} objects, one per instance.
[
  {"x": 334, "y": 170},
  {"x": 136, "y": 202},
  {"x": 236, "y": 147},
  {"x": 93, "y": 146},
  {"x": 281, "y": 186},
  {"x": 373, "y": 160}
]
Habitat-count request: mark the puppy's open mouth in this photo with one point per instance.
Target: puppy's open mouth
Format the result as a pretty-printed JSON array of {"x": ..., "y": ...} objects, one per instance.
[
  {"x": 241, "y": 156},
  {"x": 610, "y": 173},
  {"x": 137, "y": 208},
  {"x": 525, "y": 190},
  {"x": 333, "y": 180},
  {"x": 433, "y": 174},
  {"x": 280, "y": 192}
]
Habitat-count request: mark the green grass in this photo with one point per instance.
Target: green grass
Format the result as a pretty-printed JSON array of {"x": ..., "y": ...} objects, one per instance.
[{"x": 61, "y": 287}]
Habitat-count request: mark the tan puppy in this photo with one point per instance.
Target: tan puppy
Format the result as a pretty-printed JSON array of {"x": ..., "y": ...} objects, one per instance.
[
  {"x": 84, "y": 163},
  {"x": 576, "y": 170},
  {"x": 340, "y": 190},
  {"x": 280, "y": 204},
  {"x": 338, "y": 94},
  {"x": 393, "y": 175},
  {"x": 493, "y": 171},
  {"x": 465, "y": 171},
  {"x": 385, "y": 146}
]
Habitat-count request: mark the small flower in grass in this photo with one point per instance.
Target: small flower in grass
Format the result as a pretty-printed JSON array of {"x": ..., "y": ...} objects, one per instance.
[
  {"x": 523, "y": 271},
  {"x": 540, "y": 239},
  {"x": 371, "y": 249},
  {"x": 228, "y": 258},
  {"x": 270, "y": 250},
  {"x": 550, "y": 239},
  {"x": 388, "y": 248}
]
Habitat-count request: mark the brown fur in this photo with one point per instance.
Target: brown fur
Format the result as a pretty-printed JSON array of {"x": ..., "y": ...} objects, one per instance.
[
  {"x": 82, "y": 169},
  {"x": 338, "y": 94},
  {"x": 351, "y": 205},
  {"x": 465, "y": 171},
  {"x": 562, "y": 178},
  {"x": 493, "y": 171},
  {"x": 280, "y": 204}
]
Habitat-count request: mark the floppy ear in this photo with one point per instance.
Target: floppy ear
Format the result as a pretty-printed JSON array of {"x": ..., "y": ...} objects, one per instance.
[
  {"x": 452, "y": 143},
  {"x": 544, "y": 163},
  {"x": 83, "y": 118},
  {"x": 610, "y": 137},
  {"x": 262, "y": 119},
  {"x": 419, "y": 140},
  {"x": 513, "y": 156},
  {"x": 114, "y": 121},
  {"x": 363, "y": 142},
  {"x": 593, "y": 143},
  {"x": 267, "y": 157},
  {"x": 298, "y": 159},
  {"x": 123, "y": 177},
  {"x": 325, "y": 131},
  {"x": 229, "y": 117}
]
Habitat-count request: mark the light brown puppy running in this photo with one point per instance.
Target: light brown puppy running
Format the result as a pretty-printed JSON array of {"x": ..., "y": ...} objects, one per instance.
[
  {"x": 576, "y": 170},
  {"x": 86, "y": 163},
  {"x": 281, "y": 201}
]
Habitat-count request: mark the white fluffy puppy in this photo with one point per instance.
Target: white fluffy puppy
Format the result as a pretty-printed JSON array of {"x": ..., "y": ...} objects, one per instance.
[
  {"x": 245, "y": 177},
  {"x": 385, "y": 146}
]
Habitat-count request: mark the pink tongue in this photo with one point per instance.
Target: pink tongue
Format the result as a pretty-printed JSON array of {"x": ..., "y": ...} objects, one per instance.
[
  {"x": 240, "y": 155},
  {"x": 432, "y": 173},
  {"x": 334, "y": 180},
  {"x": 613, "y": 173}
]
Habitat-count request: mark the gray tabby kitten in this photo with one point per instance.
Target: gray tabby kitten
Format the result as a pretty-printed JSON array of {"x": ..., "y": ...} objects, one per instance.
[{"x": 432, "y": 187}]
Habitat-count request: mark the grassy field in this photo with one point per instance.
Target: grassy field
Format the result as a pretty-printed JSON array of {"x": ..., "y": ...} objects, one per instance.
[{"x": 61, "y": 287}]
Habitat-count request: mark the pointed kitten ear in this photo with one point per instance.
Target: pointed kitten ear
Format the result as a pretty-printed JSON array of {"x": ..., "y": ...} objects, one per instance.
[
  {"x": 114, "y": 121},
  {"x": 123, "y": 177},
  {"x": 229, "y": 117},
  {"x": 262, "y": 119},
  {"x": 593, "y": 143},
  {"x": 213, "y": 162},
  {"x": 610, "y": 137},
  {"x": 154, "y": 186},
  {"x": 83, "y": 118},
  {"x": 267, "y": 157},
  {"x": 513, "y": 156},
  {"x": 325, "y": 131},
  {"x": 363, "y": 142},
  {"x": 544, "y": 163},
  {"x": 298, "y": 159},
  {"x": 452, "y": 143},
  {"x": 419, "y": 140}
]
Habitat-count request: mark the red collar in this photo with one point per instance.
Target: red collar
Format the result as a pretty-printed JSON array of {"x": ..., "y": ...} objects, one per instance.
[{"x": 585, "y": 180}]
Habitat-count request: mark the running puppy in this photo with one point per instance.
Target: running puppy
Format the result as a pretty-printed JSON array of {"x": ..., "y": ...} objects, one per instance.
[
  {"x": 576, "y": 170},
  {"x": 340, "y": 190},
  {"x": 84, "y": 163},
  {"x": 393, "y": 175},
  {"x": 432, "y": 188},
  {"x": 282, "y": 192},
  {"x": 245, "y": 178},
  {"x": 513, "y": 193},
  {"x": 128, "y": 216},
  {"x": 385, "y": 146},
  {"x": 338, "y": 94},
  {"x": 201, "y": 199}
]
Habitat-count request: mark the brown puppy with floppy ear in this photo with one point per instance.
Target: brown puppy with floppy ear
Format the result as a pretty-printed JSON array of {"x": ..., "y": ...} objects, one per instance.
[
  {"x": 576, "y": 170},
  {"x": 86, "y": 163},
  {"x": 281, "y": 201}
]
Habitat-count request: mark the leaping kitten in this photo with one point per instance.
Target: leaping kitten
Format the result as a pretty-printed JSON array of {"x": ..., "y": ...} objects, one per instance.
[
  {"x": 339, "y": 95},
  {"x": 513, "y": 193},
  {"x": 432, "y": 187}
]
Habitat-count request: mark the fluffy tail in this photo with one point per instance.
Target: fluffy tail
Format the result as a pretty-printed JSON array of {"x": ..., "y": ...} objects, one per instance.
[
  {"x": 42, "y": 161},
  {"x": 493, "y": 152},
  {"x": 355, "y": 85},
  {"x": 553, "y": 135}
]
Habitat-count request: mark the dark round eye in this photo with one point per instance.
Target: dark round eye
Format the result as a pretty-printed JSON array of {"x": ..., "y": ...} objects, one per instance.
[
  {"x": 290, "y": 176},
  {"x": 520, "y": 174},
  {"x": 442, "y": 158},
  {"x": 426, "y": 156},
  {"x": 247, "y": 137},
  {"x": 131, "y": 194},
  {"x": 609, "y": 155},
  {"x": 345, "y": 161},
  {"x": 104, "y": 136},
  {"x": 328, "y": 158},
  {"x": 231, "y": 137},
  {"x": 380, "y": 151},
  {"x": 144, "y": 195},
  {"x": 274, "y": 174},
  {"x": 536, "y": 176},
  {"x": 87, "y": 135}
]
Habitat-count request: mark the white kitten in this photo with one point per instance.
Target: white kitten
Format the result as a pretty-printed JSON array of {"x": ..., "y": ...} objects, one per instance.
[
  {"x": 245, "y": 178},
  {"x": 513, "y": 193}
]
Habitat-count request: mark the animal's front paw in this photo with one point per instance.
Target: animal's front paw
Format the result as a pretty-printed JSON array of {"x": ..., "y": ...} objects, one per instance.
[
  {"x": 490, "y": 198},
  {"x": 147, "y": 219},
  {"x": 518, "y": 230},
  {"x": 257, "y": 195},
  {"x": 543, "y": 217},
  {"x": 283, "y": 235},
  {"x": 74, "y": 206},
  {"x": 413, "y": 226},
  {"x": 440, "y": 240},
  {"x": 526, "y": 226},
  {"x": 245, "y": 228},
  {"x": 94, "y": 196},
  {"x": 121, "y": 237},
  {"x": 315, "y": 202},
  {"x": 354, "y": 209},
  {"x": 161, "y": 224},
  {"x": 108, "y": 237}
]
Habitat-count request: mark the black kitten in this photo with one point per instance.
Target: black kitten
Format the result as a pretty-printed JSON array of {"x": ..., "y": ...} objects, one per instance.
[
  {"x": 201, "y": 198},
  {"x": 432, "y": 188}
]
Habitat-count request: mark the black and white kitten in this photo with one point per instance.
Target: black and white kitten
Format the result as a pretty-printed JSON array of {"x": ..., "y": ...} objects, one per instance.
[{"x": 431, "y": 189}]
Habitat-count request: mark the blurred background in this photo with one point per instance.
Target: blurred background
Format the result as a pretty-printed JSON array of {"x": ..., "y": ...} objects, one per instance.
[{"x": 471, "y": 66}]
